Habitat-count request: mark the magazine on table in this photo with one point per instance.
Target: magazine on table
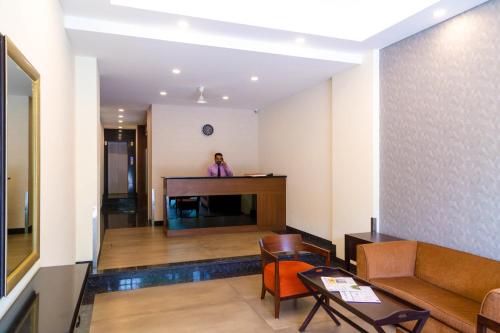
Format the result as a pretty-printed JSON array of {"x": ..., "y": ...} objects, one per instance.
[
  {"x": 339, "y": 283},
  {"x": 364, "y": 295},
  {"x": 349, "y": 290}
]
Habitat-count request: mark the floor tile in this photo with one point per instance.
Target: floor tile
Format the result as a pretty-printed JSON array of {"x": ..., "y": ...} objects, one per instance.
[{"x": 225, "y": 305}]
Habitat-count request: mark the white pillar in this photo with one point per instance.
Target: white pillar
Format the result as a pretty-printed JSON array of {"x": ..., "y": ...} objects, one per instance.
[{"x": 87, "y": 156}]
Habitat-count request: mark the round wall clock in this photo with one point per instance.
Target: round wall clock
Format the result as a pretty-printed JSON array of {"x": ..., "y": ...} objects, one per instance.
[{"x": 207, "y": 129}]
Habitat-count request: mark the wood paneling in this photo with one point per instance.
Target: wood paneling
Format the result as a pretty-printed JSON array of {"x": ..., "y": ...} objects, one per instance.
[
  {"x": 270, "y": 191},
  {"x": 141, "y": 159}
]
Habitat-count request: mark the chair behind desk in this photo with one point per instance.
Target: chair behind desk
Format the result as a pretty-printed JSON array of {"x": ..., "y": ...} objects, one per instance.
[
  {"x": 187, "y": 203},
  {"x": 223, "y": 204}
]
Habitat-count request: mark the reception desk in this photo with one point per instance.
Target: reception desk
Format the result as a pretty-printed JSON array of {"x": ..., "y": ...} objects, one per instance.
[{"x": 270, "y": 191}]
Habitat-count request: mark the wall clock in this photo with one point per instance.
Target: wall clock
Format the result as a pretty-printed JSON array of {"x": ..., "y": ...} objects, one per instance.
[{"x": 207, "y": 129}]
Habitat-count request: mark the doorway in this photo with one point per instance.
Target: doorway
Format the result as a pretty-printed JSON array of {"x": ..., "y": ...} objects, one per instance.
[
  {"x": 119, "y": 163},
  {"x": 124, "y": 203},
  {"x": 117, "y": 167}
]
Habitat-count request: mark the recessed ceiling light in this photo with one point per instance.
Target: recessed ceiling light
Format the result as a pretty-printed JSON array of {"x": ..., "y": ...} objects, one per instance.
[
  {"x": 225, "y": 98},
  {"x": 183, "y": 24},
  {"x": 120, "y": 116},
  {"x": 163, "y": 93},
  {"x": 254, "y": 78},
  {"x": 120, "y": 121},
  {"x": 300, "y": 40},
  {"x": 121, "y": 110},
  {"x": 439, "y": 13},
  {"x": 120, "y": 127},
  {"x": 176, "y": 71}
]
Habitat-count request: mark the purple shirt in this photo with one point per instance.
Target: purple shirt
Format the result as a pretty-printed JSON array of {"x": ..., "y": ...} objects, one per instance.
[{"x": 225, "y": 170}]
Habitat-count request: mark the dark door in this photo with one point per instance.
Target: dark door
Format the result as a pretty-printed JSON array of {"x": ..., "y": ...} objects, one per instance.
[{"x": 119, "y": 161}]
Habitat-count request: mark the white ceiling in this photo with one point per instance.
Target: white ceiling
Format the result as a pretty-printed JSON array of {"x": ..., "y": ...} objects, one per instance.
[
  {"x": 344, "y": 19},
  {"x": 137, "y": 43}
]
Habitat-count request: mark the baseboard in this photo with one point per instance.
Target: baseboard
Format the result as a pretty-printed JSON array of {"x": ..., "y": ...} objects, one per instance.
[
  {"x": 17, "y": 231},
  {"x": 316, "y": 240},
  {"x": 339, "y": 262}
]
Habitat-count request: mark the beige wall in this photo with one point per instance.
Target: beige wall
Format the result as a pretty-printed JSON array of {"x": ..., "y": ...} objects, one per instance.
[
  {"x": 149, "y": 159},
  {"x": 354, "y": 149},
  {"x": 87, "y": 153},
  {"x": 39, "y": 33},
  {"x": 180, "y": 149},
  {"x": 18, "y": 159},
  {"x": 295, "y": 140}
]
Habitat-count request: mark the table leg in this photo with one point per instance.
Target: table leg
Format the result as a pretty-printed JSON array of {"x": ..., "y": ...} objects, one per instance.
[
  {"x": 320, "y": 301},
  {"x": 347, "y": 253},
  {"x": 419, "y": 326},
  {"x": 310, "y": 316}
]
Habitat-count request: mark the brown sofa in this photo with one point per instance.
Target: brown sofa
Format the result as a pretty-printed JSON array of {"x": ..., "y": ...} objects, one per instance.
[{"x": 454, "y": 286}]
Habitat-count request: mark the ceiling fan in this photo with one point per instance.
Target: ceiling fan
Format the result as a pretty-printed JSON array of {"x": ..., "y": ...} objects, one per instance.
[{"x": 201, "y": 99}]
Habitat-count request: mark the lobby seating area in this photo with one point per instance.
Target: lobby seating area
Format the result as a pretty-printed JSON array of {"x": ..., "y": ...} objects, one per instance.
[
  {"x": 250, "y": 166},
  {"x": 454, "y": 286}
]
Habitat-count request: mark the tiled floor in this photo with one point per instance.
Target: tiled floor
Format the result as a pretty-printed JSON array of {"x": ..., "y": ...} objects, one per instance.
[
  {"x": 148, "y": 246},
  {"x": 225, "y": 305}
]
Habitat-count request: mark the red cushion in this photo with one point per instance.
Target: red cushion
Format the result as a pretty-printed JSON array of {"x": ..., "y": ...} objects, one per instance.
[{"x": 290, "y": 284}]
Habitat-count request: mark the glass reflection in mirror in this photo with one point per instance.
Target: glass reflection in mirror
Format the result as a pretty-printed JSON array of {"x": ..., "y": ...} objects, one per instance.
[
  {"x": 20, "y": 165},
  {"x": 19, "y": 106}
]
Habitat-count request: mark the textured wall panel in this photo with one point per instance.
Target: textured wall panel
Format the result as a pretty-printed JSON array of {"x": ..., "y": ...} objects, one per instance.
[{"x": 440, "y": 134}]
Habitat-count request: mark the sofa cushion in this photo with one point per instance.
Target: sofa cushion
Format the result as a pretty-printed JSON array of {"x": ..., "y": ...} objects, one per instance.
[
  {"x": 459, "y": 272},
  {"x": 290, "y": 284},
  {"x": 452, "y": 309},
  {"x": 387, "y": 259}
]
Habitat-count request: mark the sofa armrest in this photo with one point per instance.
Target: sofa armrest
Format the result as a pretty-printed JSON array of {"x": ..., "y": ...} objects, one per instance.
[
  {"x": 489, "y": 315},
  {"x": 384, "y": 260}
]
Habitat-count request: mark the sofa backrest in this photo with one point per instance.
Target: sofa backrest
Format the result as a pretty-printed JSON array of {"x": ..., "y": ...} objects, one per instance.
[
  {"x": 386, "y": 259},
  {"x": 462, "y": 273}
]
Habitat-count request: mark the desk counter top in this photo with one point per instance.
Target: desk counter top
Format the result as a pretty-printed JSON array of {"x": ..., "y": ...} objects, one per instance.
[{"x": 270, "y": 192}]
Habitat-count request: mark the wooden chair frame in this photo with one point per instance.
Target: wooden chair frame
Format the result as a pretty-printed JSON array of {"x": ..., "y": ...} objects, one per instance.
[
  {"x": 484, "y": 323},
  {"x": 281, "y": 244}
]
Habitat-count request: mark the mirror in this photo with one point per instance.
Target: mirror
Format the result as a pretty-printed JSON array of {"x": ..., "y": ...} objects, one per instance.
[{"x": 20, "y": 165}]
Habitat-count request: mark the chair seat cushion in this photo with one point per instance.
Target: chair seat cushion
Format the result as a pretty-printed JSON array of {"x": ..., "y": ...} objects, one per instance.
[
  {"x": 290, "y": 284},
  {"x": 452, "y": 309}
]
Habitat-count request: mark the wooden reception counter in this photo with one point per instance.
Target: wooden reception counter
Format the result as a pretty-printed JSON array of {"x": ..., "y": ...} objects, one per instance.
[{"x": 270, "y": 191}]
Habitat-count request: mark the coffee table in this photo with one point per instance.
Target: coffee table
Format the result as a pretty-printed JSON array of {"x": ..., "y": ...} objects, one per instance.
[{"x": 391, "y": 311}]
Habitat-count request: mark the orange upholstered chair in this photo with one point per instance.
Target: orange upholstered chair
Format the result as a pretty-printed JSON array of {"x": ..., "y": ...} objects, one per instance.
[{"x": 279, "y": 277}]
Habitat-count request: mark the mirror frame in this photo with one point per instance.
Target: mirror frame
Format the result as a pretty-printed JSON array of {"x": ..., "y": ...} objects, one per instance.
[{"x": 8, "y": 49}]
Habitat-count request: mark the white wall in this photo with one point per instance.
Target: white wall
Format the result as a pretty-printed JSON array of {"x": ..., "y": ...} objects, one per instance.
[
  {"x": 36, "y": 27},
  {"x": 180, "y": 149},
  {"x": 354, "y": 149},
  {"x": 149, "y": 159},
  {"x": 87, "y": 153},
  {"x": 295, "y": 140},
  {"x": 18, "y": 158}
]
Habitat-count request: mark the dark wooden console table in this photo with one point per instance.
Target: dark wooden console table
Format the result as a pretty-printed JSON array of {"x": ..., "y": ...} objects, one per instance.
[
  {"x": 50, "y": 302},
  {"x": 353, "y": 240},
  {"x": 270, "y": 191}
]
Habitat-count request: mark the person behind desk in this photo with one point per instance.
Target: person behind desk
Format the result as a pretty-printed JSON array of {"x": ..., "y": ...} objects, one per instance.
[
  {"x": 219, "y": 168},
  {"x": 221, "y": 204}
]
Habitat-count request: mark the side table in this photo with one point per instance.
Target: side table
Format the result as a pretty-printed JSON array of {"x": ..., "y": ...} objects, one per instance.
[{"x": 352, "y": 240}]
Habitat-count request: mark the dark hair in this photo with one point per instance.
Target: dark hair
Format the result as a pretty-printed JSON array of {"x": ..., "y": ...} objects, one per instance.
[{"x": 218, "y": 154}]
